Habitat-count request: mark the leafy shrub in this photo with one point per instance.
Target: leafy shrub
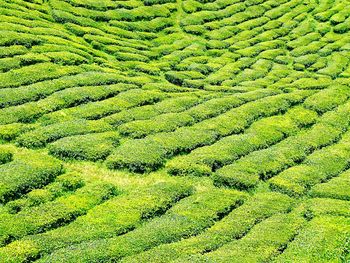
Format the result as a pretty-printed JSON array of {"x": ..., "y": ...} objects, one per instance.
[
  {"x": 320, "y": 165},
  {"x": 335, "y": 188},
  {"x": 33, "y": 73},
  {"x": 260, "y": 134},
  {"x": 93, "y": 147},
  {"x": 231, "y": 227},
  {"x": 26, "y": 172},
  {"x": 12, "y": 50},
  {"x": 321, "y": 233},
  {"x": 43, "y": 135},
  {"x": 98, "y": 109},
  {"x": 62, "y": 185},
  {"x": 246, "y": 172},
  {"x": 9, "y": 38},
  {"x": 327, "y": 99},
  {"x": 115, "y": 216},
  {"x": 187, "y": 217},
  {"x": 53, "y": 214},
  {"x": 261, "y": 237},
  {"x": 5, "y": 155},
  {"x": 155, "y": 148}
]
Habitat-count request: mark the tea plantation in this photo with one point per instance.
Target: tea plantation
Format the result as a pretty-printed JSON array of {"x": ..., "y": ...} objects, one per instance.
[{"x": 174, "y": 131}]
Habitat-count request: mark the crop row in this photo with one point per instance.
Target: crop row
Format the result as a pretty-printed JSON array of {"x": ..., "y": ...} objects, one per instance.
[
  {"x": 27, "y": 171},
  {"x": 63, "y": 184},
  {"x": 231, "y": 227},
  {"x": 114, "y": 217},
  {"x": 5, "y": 155},
  {"x": 93, "y": 147},
  {"x": 264, "y": 164},
  {"x": 188, "y": 217},
  {"x": 150, "y": 153},
  {"x": 320, "y": 165},
  {"x": 53, "y": 214},
  {"x": 261, "y": 134},
  {"x": 327, "y": 234},
  {"x": 336, "y": 187},
  {"x": 66, "y": 98},
  {"x": 33, "y": 73},
  {"x": 179, "y": 103},
  {"x": 41, "y": 90},
  {"x": 172, "y": 121},
  {"x": 263, "y": 241}
]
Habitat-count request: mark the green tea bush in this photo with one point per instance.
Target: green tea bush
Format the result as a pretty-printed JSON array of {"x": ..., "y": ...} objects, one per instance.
[
  {"x": 96, "y": 110},
  {"x": 93, "y": 147},
  {"x": 55, "y": 213},
  {"x": 40, "y": 90},
  {"x": 11, "y": 131},
  {"x": 342, "y": 27},
  {"x": 188, "y": 217},
  {"x": 33, "y": 73},
  {"x": 327, "y": 234},
  {"x": 62, "y": 185},
  {"x": 191, "y": 6},
  {"x": 320, "y": 165},
  {"x": 157, "y": 147},
  {"x": 260, "y": 134},
  {"x": 5, "y": 155},
  {"x": 9, "y": 38},
  {"x": 246, "y": 172},
  {"x": 336, "y": 65},
  {"x": 162, "y": 123},
  {"x": 231, "y": 227},
  {"x": 66, "y": 58},
  {"x": 45, "y": 134},
  {"x": 259, "y": 244},
  {"x": 327, "y": 99},
  {"x": 176, "y": 104},
  {"x": 116, "y": 216},
  {"x": 77, "y": 96},
  {"x": 156, "y": 2},
  {"x": 26, "y": 172},
  {"x": 335, "y": 188},
  {"x": 12, "y": 51}
]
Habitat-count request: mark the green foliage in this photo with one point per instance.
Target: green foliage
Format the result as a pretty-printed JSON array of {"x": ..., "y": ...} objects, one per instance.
[
  {"x": 115, "y": 216},
  {"x": 62, "y": 185},
  {"x": 45, "y": 134},
  {"x": 31, "y": 74},
  {"x": 320, "y": 165},
  {"x": 93, "y": 147},
  {"x": 26, "y": 172},
  {"x": 40, "y": 90},
  {"x": 261, "y": 134},
  {"x": 327, "y": 99},
  {"x": 149, "y": 153},
  {"x": 246, "y": 94},
  {"x": 326, "y": 236},
  {"x": 9, "y": 38},
  {"x": 336, "y": 188},
  {"x": 246, "y": 172},
  {"x": 5, "y": 155},
  {"x": 261, "y": 243},
  {"x": 97, "y": 109},
  {"x": 231, "y": 227},
  {"x": 188, "y": 217},
  {"x": 55, "y": 213}
]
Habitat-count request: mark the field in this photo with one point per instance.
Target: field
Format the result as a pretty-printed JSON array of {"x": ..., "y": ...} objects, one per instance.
[{"x": 174, "y": 131}]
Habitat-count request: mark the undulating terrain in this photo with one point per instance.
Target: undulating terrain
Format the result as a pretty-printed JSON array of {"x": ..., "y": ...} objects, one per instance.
[{"x": 174, "y": 131}]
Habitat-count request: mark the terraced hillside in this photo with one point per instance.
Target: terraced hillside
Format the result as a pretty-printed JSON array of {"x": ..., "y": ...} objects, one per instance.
[{"x": 174, "y": 131}]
